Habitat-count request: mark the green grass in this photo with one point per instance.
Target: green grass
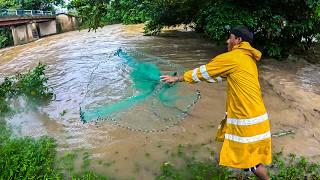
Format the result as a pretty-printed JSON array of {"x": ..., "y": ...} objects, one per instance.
[
  {"x": 27, "y": 158},
  {"x": 283, "y": 168},
  {"x": 293, "y": 167},
  {"x": 182, "y": 165}
]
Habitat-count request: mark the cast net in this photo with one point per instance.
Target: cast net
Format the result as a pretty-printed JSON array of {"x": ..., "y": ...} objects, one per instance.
[{"x": 125, "y": 90}]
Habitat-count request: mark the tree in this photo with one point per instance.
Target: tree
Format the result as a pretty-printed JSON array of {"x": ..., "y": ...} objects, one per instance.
[
  {"x": 280, "y": 26},
  {"x": 4, "y": 4},
  {"x": 5, "y": 37},
  {"x": 91, "y": 11},
  {"x": 46, "y": 5}
]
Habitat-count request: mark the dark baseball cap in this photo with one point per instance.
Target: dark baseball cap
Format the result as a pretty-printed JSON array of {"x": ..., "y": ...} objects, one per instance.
[{"x": 243, "y": 32}]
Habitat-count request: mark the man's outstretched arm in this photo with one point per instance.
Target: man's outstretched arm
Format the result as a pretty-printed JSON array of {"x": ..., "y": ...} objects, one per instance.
[{"x": 214, "y": 72}]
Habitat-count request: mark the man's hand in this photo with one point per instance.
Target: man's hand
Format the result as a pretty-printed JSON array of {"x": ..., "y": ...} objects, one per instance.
[{"x": 170, "y": 79}]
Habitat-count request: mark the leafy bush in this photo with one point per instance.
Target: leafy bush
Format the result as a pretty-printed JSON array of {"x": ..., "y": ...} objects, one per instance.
[
  {"x": 4, "y": 4},
  {"x": 91, "y": 12},
  {"x": 5, "y": 37},
  {"x": 27, "y": 158},
  {"x": 216, "y": 19},
  {"x": 127, "y": 11},
  {"x": 171, "y": 13},
  {"x": 46, "y": 5},
  {"x": 32, "y": 85}
]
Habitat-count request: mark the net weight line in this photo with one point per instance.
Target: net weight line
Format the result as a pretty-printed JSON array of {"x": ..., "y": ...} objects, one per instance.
[
  {"x": 182, "y": 116},
  {"x": 156, "y": 89}
]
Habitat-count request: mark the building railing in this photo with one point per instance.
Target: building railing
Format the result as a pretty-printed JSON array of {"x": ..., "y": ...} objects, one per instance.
[{"x": 23, "y": 12}]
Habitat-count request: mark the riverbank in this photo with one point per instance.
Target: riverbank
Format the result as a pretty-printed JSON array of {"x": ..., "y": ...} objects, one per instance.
[{"x": 298, "y": 87}]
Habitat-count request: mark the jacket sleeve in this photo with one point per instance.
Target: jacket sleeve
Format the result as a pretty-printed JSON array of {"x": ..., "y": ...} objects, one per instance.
[{"x": 215, "y": 71}]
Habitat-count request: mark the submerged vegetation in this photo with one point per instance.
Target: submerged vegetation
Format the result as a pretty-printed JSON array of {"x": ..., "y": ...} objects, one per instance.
[
  {"x": 31, "y": 85},
  {"x": 281, "y": 27}
]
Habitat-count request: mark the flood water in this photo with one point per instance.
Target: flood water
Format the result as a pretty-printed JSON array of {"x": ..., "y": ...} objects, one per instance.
[{"x": 291, "y": 92}]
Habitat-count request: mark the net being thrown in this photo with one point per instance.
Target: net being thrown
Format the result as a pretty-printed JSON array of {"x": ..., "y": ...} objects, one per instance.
[{"x": 153, "y": 105}]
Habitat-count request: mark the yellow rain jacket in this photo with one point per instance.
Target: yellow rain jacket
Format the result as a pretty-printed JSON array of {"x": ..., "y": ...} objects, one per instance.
[{"x": 247, "y": 139}]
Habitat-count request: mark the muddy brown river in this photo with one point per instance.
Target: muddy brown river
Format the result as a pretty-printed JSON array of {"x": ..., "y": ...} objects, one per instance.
[{"x": 291, "y": 91}]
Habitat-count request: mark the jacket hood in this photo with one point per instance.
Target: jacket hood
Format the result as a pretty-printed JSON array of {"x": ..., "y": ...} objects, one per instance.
[{"x": 249, "y": 50}]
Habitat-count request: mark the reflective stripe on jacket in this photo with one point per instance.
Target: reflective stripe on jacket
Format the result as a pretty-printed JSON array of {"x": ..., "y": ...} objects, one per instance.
[{"x": 247, "y": 139}]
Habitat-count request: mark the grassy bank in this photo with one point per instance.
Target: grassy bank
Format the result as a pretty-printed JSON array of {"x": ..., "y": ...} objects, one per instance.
[
  {"x": 283, "y": 168},
  {"x": 29, "y": 158}
]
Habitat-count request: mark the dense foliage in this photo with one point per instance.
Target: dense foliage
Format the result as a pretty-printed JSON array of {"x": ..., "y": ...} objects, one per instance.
[
  {"x": 127, "y": 12},
  {"x": 281, "y": 27},
  {"x": 91, "y": 12},
  {"x": 5, "y": 37},
  {"x": 27, "y": 158},
  {"x": 46, "y": 5},
  {"x": 32, "y": 85},
  {"x": 5, "y": 4}
]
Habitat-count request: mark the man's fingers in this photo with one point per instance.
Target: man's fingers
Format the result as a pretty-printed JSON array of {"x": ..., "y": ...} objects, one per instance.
[{"x": 164, "y": 78}]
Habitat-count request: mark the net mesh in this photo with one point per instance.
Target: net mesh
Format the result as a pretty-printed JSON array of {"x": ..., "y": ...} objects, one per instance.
[{"x": 126, "y": 91}]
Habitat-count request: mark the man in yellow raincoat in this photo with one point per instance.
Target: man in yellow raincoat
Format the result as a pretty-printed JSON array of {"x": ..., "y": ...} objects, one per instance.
[{"x": 247, "y": 138}]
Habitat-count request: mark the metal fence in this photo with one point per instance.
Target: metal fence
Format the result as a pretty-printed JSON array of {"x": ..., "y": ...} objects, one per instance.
[{"x": 23, "y": 12}]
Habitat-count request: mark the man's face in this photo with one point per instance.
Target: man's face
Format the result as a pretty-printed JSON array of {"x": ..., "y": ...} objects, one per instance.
[{"x": 232, "y": 41}]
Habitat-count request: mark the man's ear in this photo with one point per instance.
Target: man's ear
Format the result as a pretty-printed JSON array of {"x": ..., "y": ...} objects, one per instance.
[{"x": 240, "y": 40}]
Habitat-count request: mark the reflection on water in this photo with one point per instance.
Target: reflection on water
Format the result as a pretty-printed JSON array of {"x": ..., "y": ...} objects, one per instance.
[{"x": 71, "y": 58}]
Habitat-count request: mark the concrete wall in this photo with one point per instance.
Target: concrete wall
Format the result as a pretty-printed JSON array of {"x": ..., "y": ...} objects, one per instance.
[
  {"x": 66, "y": 23},
  {"x": 29, "y": 32},
  {"x": 47, "y": 28},
  {"x": 24, "y": 33}
]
